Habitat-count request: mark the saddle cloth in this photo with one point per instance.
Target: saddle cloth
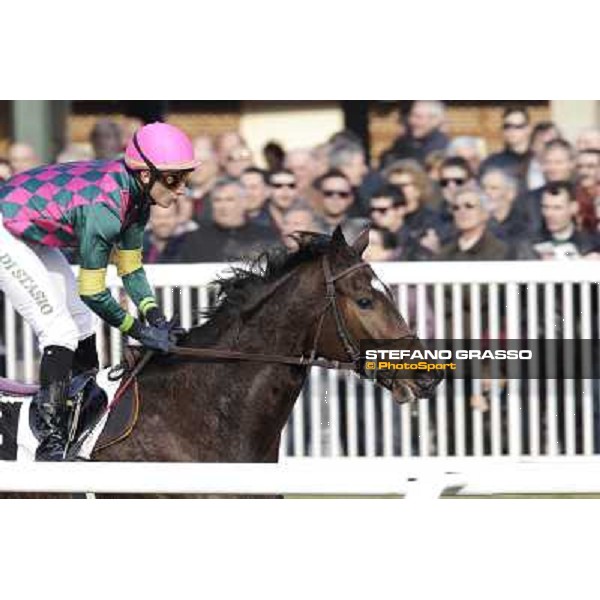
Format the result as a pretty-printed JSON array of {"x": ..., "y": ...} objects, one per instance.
[{"x": 101, "y": 422}]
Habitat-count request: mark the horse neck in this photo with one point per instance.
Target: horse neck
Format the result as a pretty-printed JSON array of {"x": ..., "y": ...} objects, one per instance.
[{"x": 240, "y": 408}]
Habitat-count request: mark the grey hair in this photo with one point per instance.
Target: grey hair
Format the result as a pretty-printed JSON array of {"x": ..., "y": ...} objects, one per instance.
[
  {"x": 466, "y": 141},
  {"x": 473, "y": 188},
  {"x": 436, "y": 107},
  {"x": 226, "y": 182},
  {"x": 339, "y": 156},
  {"x": 508, "y": 179}
]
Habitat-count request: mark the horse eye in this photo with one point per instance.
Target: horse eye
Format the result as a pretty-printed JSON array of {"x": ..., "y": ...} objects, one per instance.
[{"x": 364, "y": 303}]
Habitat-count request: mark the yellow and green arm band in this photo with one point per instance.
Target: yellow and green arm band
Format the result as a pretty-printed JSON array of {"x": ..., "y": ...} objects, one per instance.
[
  {"x": 128, "y": 261},
  {"x": 131, "y": 270},
  {"x": 93, "y": 291}
]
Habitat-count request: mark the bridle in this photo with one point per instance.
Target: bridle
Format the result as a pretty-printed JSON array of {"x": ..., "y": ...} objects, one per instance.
[{"x": 350, "y": 346}]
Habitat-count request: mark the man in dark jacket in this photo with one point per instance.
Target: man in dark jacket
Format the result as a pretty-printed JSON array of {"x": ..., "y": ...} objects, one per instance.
[
  {"x": 560, "y": 238},
  {"x": 515, "y": 157},
  {"x": 424, "y": 134},
  {"x": 510, "y": 220},
  {"x": 558, "y": 165},
  {"x": 229, "y": 235},
  {"x": 162, "y": 243},
  {"x": 475, "y": 241}
]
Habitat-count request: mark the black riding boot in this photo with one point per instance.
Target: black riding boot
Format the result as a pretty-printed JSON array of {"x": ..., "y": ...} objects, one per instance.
[
  {"x": 51, "y": 403},
  {"x": 86, "y": 356}
]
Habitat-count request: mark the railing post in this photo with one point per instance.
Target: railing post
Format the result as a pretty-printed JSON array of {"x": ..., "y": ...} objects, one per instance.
[{"x": 513, "y": 383}]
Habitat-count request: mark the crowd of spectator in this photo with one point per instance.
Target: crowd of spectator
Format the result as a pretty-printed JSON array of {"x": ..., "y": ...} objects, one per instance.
[{"x": 429, "y": 197}]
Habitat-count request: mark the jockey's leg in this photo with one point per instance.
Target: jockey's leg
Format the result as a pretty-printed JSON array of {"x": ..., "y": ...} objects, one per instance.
[
  {"x": 27, "y": 283},
  {"x": 63, "y": 279},
  {"x": 86, "y": 356},
  {"x": 83, "y": 359}
]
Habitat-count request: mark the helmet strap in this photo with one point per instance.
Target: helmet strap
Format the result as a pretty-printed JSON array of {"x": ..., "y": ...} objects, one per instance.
[{"x": 154, "y": 172}]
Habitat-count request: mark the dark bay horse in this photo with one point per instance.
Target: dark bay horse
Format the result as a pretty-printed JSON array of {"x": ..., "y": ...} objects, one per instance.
[{"x": 231, "y": 411}]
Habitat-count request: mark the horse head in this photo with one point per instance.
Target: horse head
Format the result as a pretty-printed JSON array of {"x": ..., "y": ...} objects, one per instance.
[{"x": 360, "y": 308}]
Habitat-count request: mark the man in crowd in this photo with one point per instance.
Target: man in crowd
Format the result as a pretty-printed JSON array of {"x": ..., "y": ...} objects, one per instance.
[
  {"x": 471, "y": 210},
  {"x": 386, "y": 208},
  {"x": 424, "y": 133},
  {"x": 284, "y": 196},
  {"x": 515, "y": 157},
  {"x": 106, "y": 138},
  {"x": 455, "y": 173},
  {"x": 558, "y": 165},
  {"x": 161, "y": 242},
  {"x": 509, "y": 219},
  {"x": 257, "y": 189},
  {"x": 237, "y": 161},
  {"x": 203, "y": 178},
  {"x": 224, "y": 145},
  {"x": 335, "y": 199},
  {"x": 229, "y": 235},
  {"x": 350, "y": 158},
  {"x": 542, "y": 134},
  {"x": 472, "y": 149},
  {"x": 387, "y": 211},
  {"x": 303, "y": 165},
  {"x": 559, "y": 238}
]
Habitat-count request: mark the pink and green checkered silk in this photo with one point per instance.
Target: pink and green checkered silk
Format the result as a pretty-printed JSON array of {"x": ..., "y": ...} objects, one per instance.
[
  {"x": 92, "y": 205},
  {"x": 40, "y": 205}
]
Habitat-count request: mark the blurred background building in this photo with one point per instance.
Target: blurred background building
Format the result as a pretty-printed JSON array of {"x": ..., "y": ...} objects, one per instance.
[{"x": 50, "y": 126}]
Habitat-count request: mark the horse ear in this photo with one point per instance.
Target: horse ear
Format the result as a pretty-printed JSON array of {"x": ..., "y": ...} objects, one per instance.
[
  {"x": 337, "y": 239},
  {"x": 361, "y": 242}
]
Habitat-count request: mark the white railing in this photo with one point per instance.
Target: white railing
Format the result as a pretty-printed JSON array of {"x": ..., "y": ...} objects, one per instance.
[
  {"x": 339, "y": 415},
  {"x": 416, "y": 478}
]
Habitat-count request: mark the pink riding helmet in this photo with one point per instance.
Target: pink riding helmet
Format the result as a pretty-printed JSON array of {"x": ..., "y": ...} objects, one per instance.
[{"x": 166, "y": 146}]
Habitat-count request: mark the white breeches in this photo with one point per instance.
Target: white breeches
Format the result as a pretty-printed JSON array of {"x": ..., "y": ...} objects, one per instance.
[{"x": 39, "y": 283}]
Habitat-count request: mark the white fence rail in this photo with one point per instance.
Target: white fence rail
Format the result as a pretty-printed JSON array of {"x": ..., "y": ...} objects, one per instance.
[
  {"x": 340, "y": 415},
  {"x": 417, "y": 478}
]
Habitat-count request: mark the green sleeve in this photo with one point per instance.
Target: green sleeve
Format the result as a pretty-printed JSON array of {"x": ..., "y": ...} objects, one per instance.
[
  {"x": 134, "y": 278},
  {"x": 97, "y": 228}
]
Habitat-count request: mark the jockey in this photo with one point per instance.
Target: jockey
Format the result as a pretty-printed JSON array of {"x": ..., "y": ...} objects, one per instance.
[{"x": 99, "y": 206}]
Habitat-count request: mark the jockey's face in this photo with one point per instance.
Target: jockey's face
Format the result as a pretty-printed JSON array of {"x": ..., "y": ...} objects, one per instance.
[{"x": 161, "y": 194}]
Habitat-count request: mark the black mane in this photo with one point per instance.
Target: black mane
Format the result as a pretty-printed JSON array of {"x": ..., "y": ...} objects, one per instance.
[
  {"x": 244, "y": 283},
  {"x": 242, "y": 286}
]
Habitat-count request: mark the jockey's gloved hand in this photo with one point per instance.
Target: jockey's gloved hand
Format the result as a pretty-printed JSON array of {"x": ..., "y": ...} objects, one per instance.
[
  {"x": 154, "y": 338},
  {"x": 156, "y": 318}
]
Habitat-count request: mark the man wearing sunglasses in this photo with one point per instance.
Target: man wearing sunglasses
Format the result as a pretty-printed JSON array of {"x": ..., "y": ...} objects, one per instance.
[
  {"x": 471, "y": 211},
  {"x": 100, "y": 207},
  {"x": 516, "y": 132},
  {"x": 335, "y": 200},
  {"x": 387, "y": 211},
  {"x": 455, "y": 173},
  {"x": 284, "y": 196}
]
